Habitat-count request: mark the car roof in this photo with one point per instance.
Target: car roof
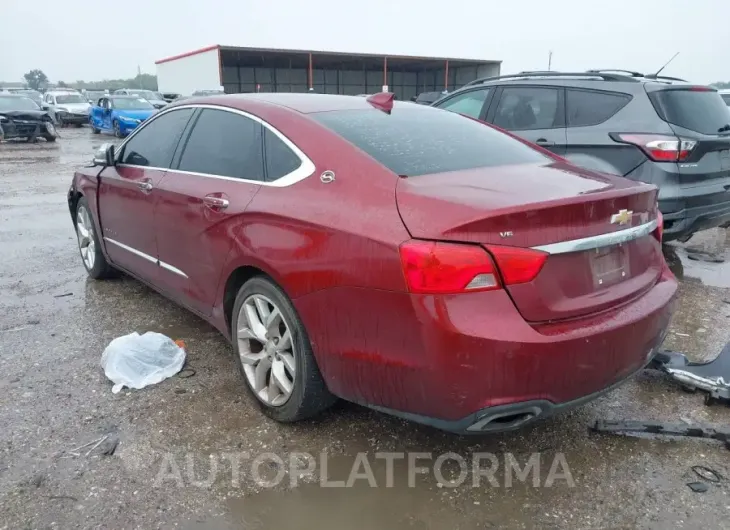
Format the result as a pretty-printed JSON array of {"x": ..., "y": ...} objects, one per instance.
[{"x": 305, "y": 103}]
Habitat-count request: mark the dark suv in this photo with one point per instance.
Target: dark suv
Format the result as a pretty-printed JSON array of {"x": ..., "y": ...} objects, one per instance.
[{"x": 651, "y": 128}]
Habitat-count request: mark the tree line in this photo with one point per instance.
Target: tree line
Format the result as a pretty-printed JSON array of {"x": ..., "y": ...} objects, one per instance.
[{"x": 37, "y": 80}]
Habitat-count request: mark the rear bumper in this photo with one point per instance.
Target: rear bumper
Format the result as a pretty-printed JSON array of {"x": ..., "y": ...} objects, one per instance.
[
  {"x": 690, "y": 220},
  {"x": 454, "y": 361},
  {"x": 72, "y": 118}
]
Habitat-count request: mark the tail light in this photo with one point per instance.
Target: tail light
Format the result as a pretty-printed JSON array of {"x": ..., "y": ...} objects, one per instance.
[
  {"x": 447, "y": 268},
  {"x": 658, "y": 147},
  {"x": 659, "y": 232}
]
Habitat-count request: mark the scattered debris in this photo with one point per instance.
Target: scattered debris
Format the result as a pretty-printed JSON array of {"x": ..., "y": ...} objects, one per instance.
[
  {"x": 19, "y": 328},
  {"x": 707, "y": 473},
  {"x": 109, "y": 446},
  {"x": 62, "y": 295},
  {"x": 97, "y": 444},
  {"x": 698, "y": 487},
  {"x": 712, "y": 377},
  {"x": 62, "y": 498},
  {"x": 188, "y": 372},
  {"x": 137, "y": 361},
  {"x": 669, "y": 429},
  {"x": 180, "y": 391}
]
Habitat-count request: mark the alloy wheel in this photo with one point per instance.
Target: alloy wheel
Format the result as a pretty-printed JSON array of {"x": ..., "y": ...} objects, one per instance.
[
  {"x": 267, "y": 352},
  {"x": 85, "y": 234}
]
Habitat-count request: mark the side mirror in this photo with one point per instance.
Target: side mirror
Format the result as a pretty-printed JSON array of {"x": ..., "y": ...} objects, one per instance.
[{"x": 104, "y": 155}]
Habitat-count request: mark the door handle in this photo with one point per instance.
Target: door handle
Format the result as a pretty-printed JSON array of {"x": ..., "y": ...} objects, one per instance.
[
  {"x": 215, "y": 203},
  {"x": 544, "y": 142},
  {"x": 145, "y": 185}
]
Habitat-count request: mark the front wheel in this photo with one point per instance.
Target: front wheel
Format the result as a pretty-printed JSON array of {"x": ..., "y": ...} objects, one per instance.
[
  {"x": 93, "y": 128},
  {"x": 117, "y": 129},
  {"x": 89, "y": 246},
  {"x": 275, "y": 356}
]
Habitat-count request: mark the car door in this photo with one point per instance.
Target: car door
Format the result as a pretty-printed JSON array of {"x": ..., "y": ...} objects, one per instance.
[
  {"x": 96, "y": 113},
  {"x": 127, "y": 193},
  {"x": 106, "y": 113},
  {"x": 473, "y": 103},
  {"x": 218, "y": 170},
  {"x": 535, "y": 113}
]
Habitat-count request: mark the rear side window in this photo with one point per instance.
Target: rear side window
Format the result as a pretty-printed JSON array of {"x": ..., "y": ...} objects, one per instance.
[
  {"x": 415, "y": 140},
  {"x": 702, "y": 111},
  {"x": 225, "y": 144},
  {"x": 470, "y": 103},
  {"x": 524, "y": 108},
  {"x": 586, "y": 107},
  {"x": 154, "y": 145},
  {"x": 280, "y": 160},
  {"x": 725, "y": 98}
]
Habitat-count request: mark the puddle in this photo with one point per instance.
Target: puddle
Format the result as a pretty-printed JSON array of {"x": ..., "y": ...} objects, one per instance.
[
  {"x": 392, "y": 496},
  {"x": 706, "y": 257},
  {"x": 710, "y": 274}
]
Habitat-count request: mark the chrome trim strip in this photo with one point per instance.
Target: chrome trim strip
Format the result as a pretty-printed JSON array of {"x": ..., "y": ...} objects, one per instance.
[
  {"x": 305, "y": 169},
  {"x": 172, "y": 269},
  {"x": 136, "y": 252},
  {"x": 132, "y": 250},
  {"x": 603, "y": 240}
]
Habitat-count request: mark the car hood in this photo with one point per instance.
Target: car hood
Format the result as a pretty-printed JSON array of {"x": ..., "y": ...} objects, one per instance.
[
  {"x": 24, "y": 114},
  {"x": 141, "y": 114}
]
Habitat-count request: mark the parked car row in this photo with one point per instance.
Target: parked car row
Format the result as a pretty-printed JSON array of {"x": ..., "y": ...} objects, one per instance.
[{"x": 413, "y": 260}]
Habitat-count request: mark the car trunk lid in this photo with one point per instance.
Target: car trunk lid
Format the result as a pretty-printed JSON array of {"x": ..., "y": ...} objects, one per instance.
[{"x": 593, "y": 263}]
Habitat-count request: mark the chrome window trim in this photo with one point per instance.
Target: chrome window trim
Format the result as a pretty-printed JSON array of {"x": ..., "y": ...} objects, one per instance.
[
  {"x": 600, "y": 241},
  {"x": 305, "y": 169},
  {"x": 152, "y": 259}
]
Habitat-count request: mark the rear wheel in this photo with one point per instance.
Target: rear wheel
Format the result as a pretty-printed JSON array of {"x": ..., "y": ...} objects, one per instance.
[
  {"x": 89, "y": 246},
  {"x": 275, "y": 356}
]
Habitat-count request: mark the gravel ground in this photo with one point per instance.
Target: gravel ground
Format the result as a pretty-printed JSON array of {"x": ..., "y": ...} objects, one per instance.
[{"x": 194, "y": 452}]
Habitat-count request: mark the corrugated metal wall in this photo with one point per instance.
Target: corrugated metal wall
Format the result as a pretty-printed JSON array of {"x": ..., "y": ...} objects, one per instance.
[{"x": 350, "y": 82}]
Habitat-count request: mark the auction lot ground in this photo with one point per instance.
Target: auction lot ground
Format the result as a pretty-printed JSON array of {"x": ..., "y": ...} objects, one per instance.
[{"x": 54, "y": 324}]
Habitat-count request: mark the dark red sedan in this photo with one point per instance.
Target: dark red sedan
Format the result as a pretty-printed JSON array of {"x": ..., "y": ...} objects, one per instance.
[{"x": 394, "y": 255}]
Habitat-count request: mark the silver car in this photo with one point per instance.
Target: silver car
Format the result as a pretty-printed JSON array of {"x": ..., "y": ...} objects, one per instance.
[
  {"x": 68, "y": 107},
  {"x": 150, "y": 95}
]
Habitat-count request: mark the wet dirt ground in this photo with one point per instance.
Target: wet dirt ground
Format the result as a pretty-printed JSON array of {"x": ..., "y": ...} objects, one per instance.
[{"x": 178, "y": 442}]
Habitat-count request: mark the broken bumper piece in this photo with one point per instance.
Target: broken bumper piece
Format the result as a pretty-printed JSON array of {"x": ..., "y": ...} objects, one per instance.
[{"x": 712, "y": 377}]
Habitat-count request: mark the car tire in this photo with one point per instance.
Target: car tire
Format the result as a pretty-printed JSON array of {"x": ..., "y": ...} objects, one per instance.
[
  {"x": 117, "y": 129},
  {"x": 93, "y": 129},
  {"x": 88, "y": 242},
  {"x": 290, "y": 361},
  {"x": 49, "y": 138}
]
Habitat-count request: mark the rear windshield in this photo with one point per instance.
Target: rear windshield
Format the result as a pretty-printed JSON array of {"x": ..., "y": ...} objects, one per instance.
[
  {"x": 702, "y": 111},
  {"x": 415, "y": 140}
]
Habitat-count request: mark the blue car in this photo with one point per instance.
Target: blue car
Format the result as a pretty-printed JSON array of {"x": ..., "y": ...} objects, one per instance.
[{"x": 119, "y": 114}]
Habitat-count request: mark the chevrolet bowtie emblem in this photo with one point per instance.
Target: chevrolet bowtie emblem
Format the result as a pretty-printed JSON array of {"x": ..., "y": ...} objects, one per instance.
[{"x": 622, "y": 217}]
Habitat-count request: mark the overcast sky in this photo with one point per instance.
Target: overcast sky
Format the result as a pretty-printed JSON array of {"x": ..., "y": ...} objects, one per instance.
[{"x": 92, "y": 39}]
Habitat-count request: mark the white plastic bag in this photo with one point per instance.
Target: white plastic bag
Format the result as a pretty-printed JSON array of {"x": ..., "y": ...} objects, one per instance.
[{"x": 137, "y": 361}]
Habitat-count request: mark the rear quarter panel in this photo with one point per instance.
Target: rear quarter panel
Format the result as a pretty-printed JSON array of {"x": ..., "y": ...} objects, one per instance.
[{"x": 312, "y": 236}]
